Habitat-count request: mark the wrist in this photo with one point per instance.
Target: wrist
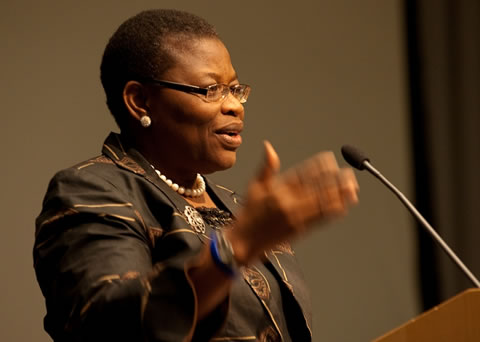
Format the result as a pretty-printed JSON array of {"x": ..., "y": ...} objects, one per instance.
[{"x": 223, "y": 254}]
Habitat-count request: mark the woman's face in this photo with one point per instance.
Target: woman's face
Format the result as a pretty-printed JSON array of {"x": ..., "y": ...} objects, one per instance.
[{"x": 191, "y": 134}]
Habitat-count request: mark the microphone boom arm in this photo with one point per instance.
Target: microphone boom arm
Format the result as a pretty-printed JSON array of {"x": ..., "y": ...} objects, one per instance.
[{"x": 424, "y": 222}]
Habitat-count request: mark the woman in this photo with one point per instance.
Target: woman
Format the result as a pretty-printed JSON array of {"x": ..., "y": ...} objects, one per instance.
[{"x": 137, "y": 245}]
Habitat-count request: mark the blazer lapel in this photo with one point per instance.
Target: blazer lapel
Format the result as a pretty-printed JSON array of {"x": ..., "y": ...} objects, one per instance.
[
  {"x": 228, "y": 197},
  {"x": 283, "y": 260},
  {"x": 281, "y": 257}
]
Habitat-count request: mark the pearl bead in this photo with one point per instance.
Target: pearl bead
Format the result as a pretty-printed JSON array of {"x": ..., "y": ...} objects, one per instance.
[{"x": 199, "y": 185}]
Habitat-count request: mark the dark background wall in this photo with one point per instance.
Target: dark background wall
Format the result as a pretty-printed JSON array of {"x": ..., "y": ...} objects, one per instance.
[
  {"x": 324, "y": 73},
  {"x": 444, "y": 69}
]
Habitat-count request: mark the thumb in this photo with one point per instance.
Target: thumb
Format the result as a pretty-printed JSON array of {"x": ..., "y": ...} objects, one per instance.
[{"x": 271, "y": 164}]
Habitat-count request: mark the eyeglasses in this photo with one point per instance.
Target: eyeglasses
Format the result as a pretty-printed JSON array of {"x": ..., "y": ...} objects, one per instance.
[{"x": 213, "y": 93}]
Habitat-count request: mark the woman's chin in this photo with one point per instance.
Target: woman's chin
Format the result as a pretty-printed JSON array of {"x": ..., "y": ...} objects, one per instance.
[{"x": 222, "y": 162}]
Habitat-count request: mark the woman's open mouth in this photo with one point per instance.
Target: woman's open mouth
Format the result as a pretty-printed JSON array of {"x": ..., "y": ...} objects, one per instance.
[
  {"x": 231, "y": 139},
  {"x": 230, "y": 135}
]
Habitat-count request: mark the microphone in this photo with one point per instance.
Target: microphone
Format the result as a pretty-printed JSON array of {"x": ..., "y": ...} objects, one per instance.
[{"x": 358, "y": 160}]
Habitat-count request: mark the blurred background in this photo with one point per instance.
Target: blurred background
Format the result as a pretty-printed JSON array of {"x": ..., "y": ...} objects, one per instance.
[{"x": 398, "y": 78}]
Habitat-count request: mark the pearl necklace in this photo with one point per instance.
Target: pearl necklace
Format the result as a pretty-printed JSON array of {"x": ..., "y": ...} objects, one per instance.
[{"x": 194, "y": 192}]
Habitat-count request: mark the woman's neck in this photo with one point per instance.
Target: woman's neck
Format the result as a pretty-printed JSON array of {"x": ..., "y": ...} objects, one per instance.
[
  {"x": 201, "y": 201},
  {"x": 180, "y": 173}
]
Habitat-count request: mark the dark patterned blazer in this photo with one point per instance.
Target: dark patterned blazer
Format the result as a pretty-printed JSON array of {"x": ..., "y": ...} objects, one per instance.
[{"x": 111, "y": 247}]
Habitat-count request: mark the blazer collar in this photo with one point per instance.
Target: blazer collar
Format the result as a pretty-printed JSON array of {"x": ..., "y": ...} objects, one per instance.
[{"x": 130, "y": 159}]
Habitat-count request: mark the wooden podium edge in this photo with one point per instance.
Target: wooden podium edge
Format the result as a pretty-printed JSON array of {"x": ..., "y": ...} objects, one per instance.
[{"x": 432, "y": 311}]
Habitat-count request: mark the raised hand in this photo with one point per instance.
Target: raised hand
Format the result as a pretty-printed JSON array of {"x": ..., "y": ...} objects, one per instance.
[{"x": 281, "y": 207}]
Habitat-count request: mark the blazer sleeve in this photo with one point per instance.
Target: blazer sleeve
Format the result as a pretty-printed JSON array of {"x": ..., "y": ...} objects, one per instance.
[{"x": 93, "y": 261}]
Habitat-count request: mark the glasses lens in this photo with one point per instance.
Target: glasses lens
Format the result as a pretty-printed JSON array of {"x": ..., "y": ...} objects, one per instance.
[
  {"x": 216, "y": 92},
  {"x": 241, "y": 92}
]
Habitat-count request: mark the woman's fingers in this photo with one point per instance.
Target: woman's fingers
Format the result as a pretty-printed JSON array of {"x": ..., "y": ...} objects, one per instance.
[
  {"x": 320, "y": 188},
  {"x": 348, "y": 185},
  {"x": 270, "y": 165},
  {"x": 325, "y": 162}
]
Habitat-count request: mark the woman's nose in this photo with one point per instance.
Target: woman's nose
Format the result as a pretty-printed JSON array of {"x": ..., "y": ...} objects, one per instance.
[{"x": 232, "y": 106}]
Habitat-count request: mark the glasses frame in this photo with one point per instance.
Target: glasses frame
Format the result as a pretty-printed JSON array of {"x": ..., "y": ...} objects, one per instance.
[{"x": 187, "y": 88}]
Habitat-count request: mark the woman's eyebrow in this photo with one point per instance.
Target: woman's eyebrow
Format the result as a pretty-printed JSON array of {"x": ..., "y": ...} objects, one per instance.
[{"x": 216, "y": 76}]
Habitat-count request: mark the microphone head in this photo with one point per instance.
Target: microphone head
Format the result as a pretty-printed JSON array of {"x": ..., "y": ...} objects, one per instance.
[{"x": 354, "y": 157}]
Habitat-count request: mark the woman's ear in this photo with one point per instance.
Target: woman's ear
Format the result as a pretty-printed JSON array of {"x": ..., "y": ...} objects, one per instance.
[{"x": 135, "y": 98}]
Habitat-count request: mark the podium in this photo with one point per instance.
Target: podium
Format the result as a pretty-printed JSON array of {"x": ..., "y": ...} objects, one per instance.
[{"x": 457, "y": 320}]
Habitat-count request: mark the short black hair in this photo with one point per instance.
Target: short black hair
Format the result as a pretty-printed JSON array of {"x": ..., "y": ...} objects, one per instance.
[{"x": 139, "y": 50}]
